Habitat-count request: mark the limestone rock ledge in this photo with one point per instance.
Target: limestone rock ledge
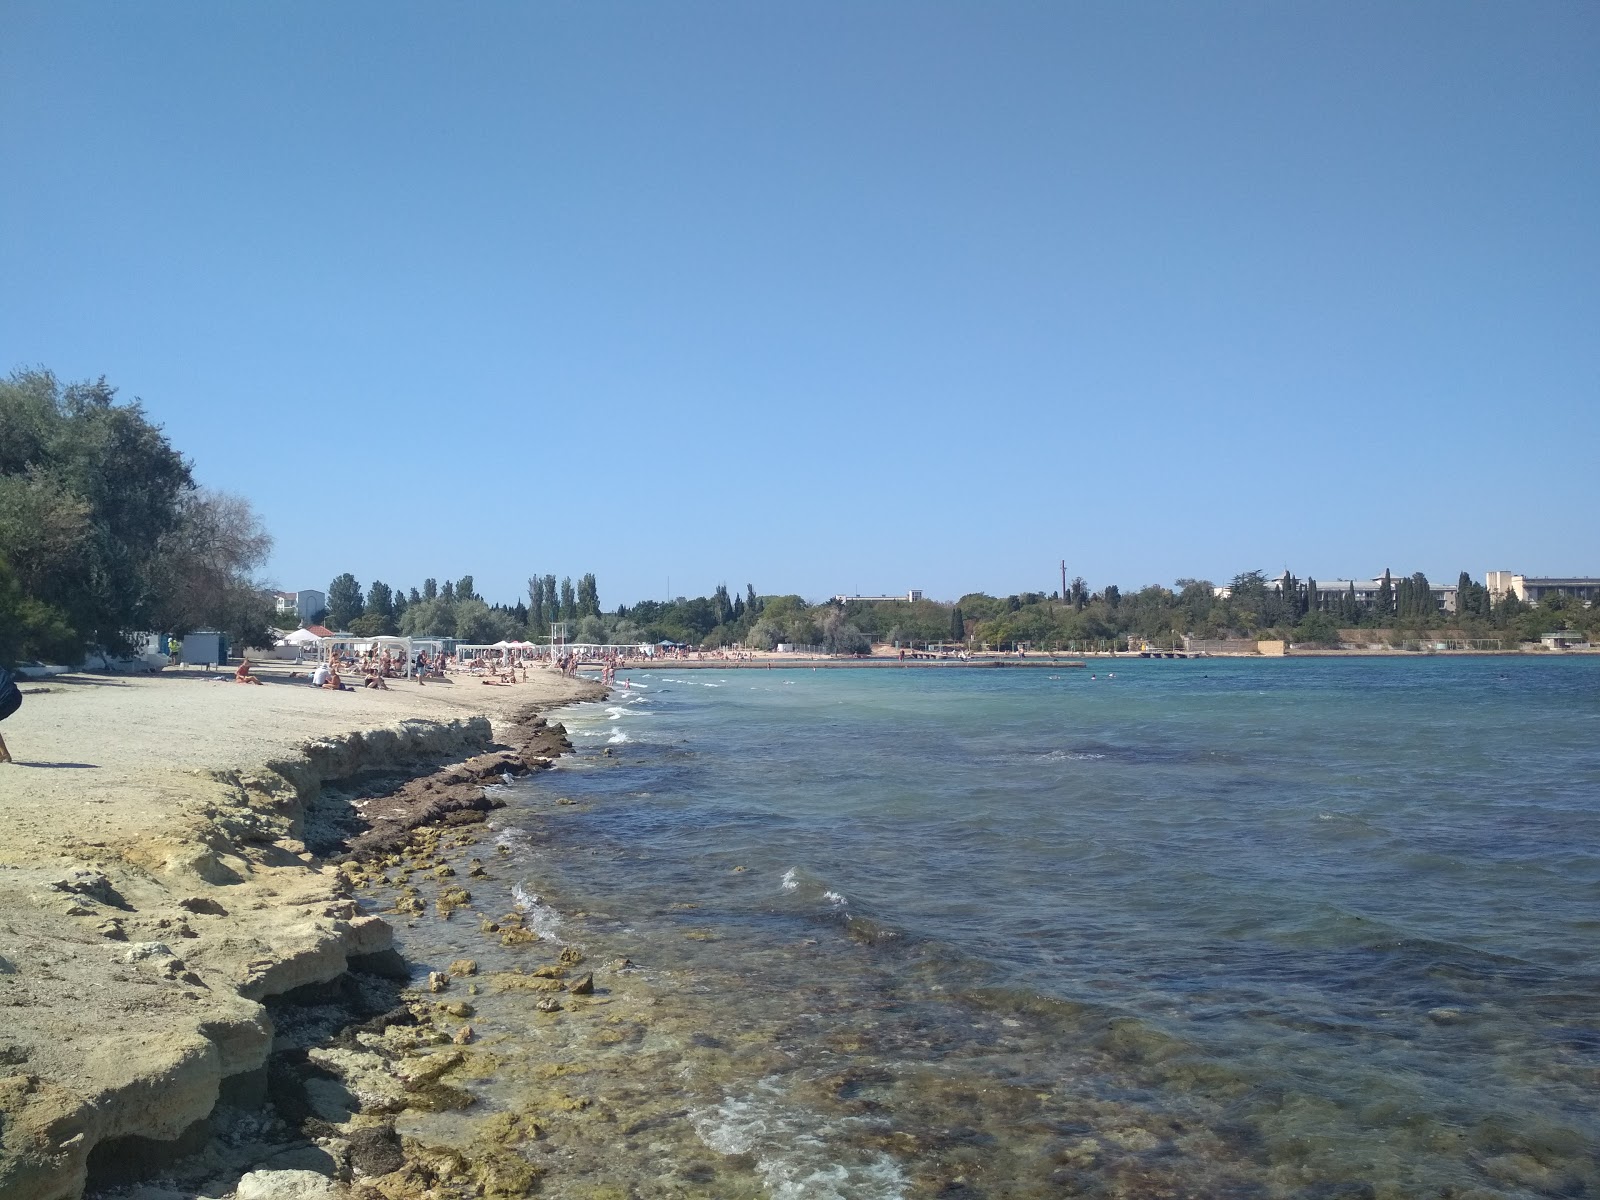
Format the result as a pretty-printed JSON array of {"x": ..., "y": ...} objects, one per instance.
[{"x": 131, "y": 972}]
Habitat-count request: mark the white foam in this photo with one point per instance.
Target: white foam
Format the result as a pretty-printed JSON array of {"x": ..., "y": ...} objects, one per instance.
[
  {"x": 833, "y": 898},
  {"x": 792, "y": 1149},
  {"x": 536, "y": 914},
  {"x": 510, "y": 837},
  {"x": 617, "y": 738},
  {"x": 1072, "y": 756},
  {"x": 791, "y": 879}
]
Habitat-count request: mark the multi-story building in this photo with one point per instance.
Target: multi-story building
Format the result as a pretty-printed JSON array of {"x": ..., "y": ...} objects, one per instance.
[
  {"x": 302, "y": 605},
  {"x": 909, "y": 598},
  {"x": 1532, "y": 589},
  {"x": 1331, "y": 593}
]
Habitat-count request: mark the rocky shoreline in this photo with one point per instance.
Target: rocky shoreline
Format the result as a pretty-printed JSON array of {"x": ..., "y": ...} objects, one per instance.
[{"x": 142, "y": 982}]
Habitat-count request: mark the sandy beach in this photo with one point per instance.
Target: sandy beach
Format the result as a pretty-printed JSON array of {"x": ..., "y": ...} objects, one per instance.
[{"x": 155, "y": 888}]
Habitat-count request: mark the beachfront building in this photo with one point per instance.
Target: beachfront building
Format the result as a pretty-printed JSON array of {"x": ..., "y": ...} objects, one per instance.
[
  {"x": 302, "y": 605},
  {"x": 1531, "y": 589},
  {"x": 1331, "y": 593},
  {"x": 909, "y": 598},
  {"x": 1564, "y": 639}
]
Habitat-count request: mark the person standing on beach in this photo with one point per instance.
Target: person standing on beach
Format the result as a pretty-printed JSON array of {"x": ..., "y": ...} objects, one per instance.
[{"x": 10, "y": 701}]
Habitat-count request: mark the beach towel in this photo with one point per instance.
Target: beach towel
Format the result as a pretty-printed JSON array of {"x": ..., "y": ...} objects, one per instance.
[{"x": 10, "y": 695}]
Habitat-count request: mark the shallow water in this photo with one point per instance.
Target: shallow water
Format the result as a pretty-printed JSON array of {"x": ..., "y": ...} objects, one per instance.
[{"x": 1298, "y": 927}]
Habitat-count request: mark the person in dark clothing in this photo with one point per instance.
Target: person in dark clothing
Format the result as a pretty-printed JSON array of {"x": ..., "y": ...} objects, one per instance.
[{"x": 10, "y": 701}]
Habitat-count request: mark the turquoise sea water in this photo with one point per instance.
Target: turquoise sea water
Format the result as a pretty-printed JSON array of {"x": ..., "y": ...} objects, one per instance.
[{"x": 1211, "y": 928}]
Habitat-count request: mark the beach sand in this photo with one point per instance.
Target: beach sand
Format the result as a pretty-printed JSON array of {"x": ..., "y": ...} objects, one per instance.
[{"x": 154, "y": 888}]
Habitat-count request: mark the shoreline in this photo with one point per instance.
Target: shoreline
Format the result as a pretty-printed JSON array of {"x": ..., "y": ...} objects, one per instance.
[{"x": 156, "y": 898}]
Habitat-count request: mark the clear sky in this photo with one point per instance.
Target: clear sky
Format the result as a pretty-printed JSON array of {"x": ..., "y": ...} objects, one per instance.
[{"x": 831, "y": 296}]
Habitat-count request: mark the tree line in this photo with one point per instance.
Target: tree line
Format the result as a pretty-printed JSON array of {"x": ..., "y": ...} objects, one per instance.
[
  {"x": 104, "y": 532},
  {"x": 1254, "y": 606},
  {"x": 1251, "y": 606},
  {"x": 454, "y": 609}
]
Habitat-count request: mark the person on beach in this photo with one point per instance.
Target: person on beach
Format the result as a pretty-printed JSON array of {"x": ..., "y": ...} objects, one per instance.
[
  {"x": 242, "y": 675},
  {"x": 10, "y": 701},
  {"x": 333, "y": 683},
  {"x": 320, "y": 675}
]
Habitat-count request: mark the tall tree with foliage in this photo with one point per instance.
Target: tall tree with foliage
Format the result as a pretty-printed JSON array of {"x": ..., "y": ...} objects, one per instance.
[
  {"x": 90, "y": 493},
  {"x": 537, "y": 622},
  {"x": 1383, "y": 603},
  {"x": 204, "y": 570},
  {"x": 380, "y": 604},
  {"x": 569, "y": 600},
  {"x": 345, "y": 601},
  {"x": 464, "y": 589},
  {"x": 30, "y": 629}
]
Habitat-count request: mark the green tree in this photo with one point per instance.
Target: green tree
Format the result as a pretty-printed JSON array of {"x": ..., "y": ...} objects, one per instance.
[
  {"x": 344, "y": 601},
  {"x": 30, "y": 629},
  {"x": 203, "y": 571},
  {"x": 958, "y": 625},
  {"x": 380, "y": 604},
  {"x": 464, "y": 589},
  {"x": 1383, "y": 604},
  {"x": 475, "y": 623},
  {"x": 1317, "y": 629},
  {"x": 569, "y": 600},
  {"x": 430, "y": 589},
  {"x": 1423, "y": 607},
  {"x": 89, "y": 491},
  {"x": 538, "y": 623}
]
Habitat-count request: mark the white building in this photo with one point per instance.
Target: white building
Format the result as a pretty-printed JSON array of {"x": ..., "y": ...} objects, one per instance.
[
  {"x": 1332, "y": 592},
  {"x": 909, "y": 598},
  {"x": 1531, "y": 589},
  {"x": 302, "y": 605}
]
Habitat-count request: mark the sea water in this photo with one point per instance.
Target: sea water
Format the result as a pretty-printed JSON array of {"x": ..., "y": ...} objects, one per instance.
[{"x": 1149, "y": 928}]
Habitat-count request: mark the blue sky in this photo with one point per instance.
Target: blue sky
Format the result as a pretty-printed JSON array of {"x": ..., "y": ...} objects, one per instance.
[{"x": 836, "y": 296}]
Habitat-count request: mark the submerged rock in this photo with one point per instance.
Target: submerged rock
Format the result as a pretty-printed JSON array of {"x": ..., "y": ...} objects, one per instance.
[{"x": 375, "y": 1150}]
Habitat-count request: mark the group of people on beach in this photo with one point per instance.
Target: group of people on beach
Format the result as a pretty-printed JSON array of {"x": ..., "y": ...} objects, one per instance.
[{"x": 376, "y": 667}]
